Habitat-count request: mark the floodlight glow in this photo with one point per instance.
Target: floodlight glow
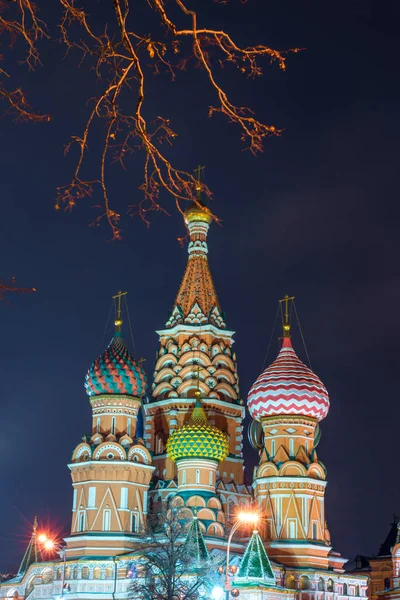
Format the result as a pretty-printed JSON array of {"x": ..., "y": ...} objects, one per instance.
[
  {"x": 49, "y": 544},
  {"x": 247, "y": 517},
  {"x": 217, "y": 592},
  {"x": 42, "y": 538}
]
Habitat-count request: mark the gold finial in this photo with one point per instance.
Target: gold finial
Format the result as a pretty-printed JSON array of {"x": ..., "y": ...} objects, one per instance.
[
  {"x": 118, "y": 321},
  {"x": 286, "y": 324}
]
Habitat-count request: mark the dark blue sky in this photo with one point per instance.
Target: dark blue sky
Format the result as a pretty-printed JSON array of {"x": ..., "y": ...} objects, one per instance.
[{"x": 316, "y": 215}]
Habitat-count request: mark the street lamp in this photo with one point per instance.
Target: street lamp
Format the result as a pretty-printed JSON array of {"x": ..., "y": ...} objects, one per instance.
[
  {"x": 243, "y": 518},
  {"x": 50, "y": 545}
]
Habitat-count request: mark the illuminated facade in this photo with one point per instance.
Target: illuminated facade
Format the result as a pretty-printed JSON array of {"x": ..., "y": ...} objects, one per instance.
[{"x": 182, "y": 448}]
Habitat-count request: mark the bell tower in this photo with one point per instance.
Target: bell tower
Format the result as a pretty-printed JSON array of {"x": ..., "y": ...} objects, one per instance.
[
  {"x": 111, "y": 468},
  {"x": 288, "y": 401}
]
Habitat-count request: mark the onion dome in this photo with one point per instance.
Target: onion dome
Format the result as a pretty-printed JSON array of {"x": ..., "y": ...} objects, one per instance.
[
  {"x": 116, "y": 372},
  {"x": 198, "y": 212},
  {"x": 288, "y": 387},
  {"x": 197, "y": 439}
]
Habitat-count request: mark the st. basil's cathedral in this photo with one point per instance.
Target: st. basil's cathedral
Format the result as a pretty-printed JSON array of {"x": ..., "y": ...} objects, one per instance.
[{"x": 179, "y": 447}]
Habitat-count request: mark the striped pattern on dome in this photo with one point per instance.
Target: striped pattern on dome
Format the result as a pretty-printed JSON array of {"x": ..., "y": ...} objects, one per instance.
[
  {"x": 116, "y": 372},
  {"x": 288, "y": 387}
]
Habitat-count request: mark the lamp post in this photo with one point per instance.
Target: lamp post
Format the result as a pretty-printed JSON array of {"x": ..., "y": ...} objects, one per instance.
[
  {"x": 242, "y": 519},
  {"x": 50, "y": 545}
]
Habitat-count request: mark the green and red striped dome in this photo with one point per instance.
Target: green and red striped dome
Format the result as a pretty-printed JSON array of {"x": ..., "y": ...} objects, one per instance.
[{"x": 116, "y": 372}]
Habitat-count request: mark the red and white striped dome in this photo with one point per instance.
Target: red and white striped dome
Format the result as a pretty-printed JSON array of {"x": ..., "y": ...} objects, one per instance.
[{"x": 288, "y": 387}]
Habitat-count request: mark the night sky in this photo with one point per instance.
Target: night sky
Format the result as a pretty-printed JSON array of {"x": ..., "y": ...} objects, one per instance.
[{"x": 316, "y": 215}]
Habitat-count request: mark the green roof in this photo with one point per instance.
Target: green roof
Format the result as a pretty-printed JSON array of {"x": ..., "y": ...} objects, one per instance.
[
  {"x": 255, "y": 563},
  {"x": 195, "y": 545}
]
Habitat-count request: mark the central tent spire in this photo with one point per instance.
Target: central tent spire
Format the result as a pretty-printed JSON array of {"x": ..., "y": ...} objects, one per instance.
[{"x": 197, "y": 302}]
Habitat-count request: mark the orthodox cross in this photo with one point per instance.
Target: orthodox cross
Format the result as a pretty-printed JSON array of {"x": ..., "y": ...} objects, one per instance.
[
  {"x": 118, "y": 320},
  {"x": 198, "y": 173},
  {"x": 286, "y": 324}
]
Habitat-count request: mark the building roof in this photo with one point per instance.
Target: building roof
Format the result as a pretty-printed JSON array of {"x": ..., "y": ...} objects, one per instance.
[
  {"x": 32, "y": 553},
  {"x": 194, "y": 545},
  {"x": 385, "y": 548},
  {"x": 255, "y": 563}
]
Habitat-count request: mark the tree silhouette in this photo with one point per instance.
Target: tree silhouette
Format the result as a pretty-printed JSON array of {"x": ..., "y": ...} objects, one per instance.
[{"x": 111, "y": 42}]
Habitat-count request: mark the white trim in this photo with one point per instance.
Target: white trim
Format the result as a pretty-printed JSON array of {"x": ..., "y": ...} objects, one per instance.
[
  {"x": 78, "y": 483},
  {"x": 121, "y": 536},
  {"x": 182, "y": 328},
  {"x": 280, "y": 544},
  {"x": 286, "y": 478},
  {"x": 111, "y": 462}
]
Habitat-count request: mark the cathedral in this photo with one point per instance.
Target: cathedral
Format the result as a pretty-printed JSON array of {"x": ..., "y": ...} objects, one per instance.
[{"x": 177, "y": 445}]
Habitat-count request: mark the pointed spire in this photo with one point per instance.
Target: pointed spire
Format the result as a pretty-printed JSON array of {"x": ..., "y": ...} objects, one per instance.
[
  {"x": 195, "y": 545},
  {"x": 198, "y": 415},
  {"x": 255, "y": 563},
  {"x": 398, "y": 533},
  {"x": 196, "y": 302},
  {"x": 32, "y": 552}
]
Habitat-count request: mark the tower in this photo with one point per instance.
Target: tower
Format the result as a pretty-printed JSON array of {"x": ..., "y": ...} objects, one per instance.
[
  {"x": 111, "y": 468},
  {"x": 33, "y": 553},
  {"x": 289, "y": 401},
  {"x": 196, "y": 351},
  {"x": 198, "y": 448}
]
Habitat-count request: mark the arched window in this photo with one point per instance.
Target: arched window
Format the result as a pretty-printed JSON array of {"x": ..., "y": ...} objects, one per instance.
[
  {"x": 184, "y": 477},
  {"x": 304, "y": 582},
  {"x": 58, "y": 574},
  {"x": 98, "y": 424},
  {"x": 272, "y": 448},
  {"x": 211, "y": 478},
  {"x": 67, "y": 573},
  {"x": 197, "y": 475},
  {"x": 129, "y": 428},
  {"x": 330, "y": 586},
  {"x": 97, "y": 573},
  {"x": 81, "y": 521},
  {"x": 106, "y": 519},
  {"x": 321, "y": 585},
  {"x": 109, "y": 573},
  {"x": 292, "y": 529},
  {"x": 47, "y": 576},
  {"x": 113, "y": 425},
  {"x": 345, "y": 589},
  {"x": 160, "y": 446},
  {"x": 357, "y": 590},
  {"x": 291, "y": 447},
  {"x": 85, "y": 573},
  {"x": 134, "y": 522},
  {"x": 74, "y": 573},
  {"x": 315, "y": 531},
  {"x": 290, "y": 582},
  {"x": 387, "y": 583}
]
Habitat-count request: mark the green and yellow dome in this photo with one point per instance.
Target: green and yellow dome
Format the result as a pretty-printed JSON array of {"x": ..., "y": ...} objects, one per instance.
[{"x": 198, "y": 439}]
